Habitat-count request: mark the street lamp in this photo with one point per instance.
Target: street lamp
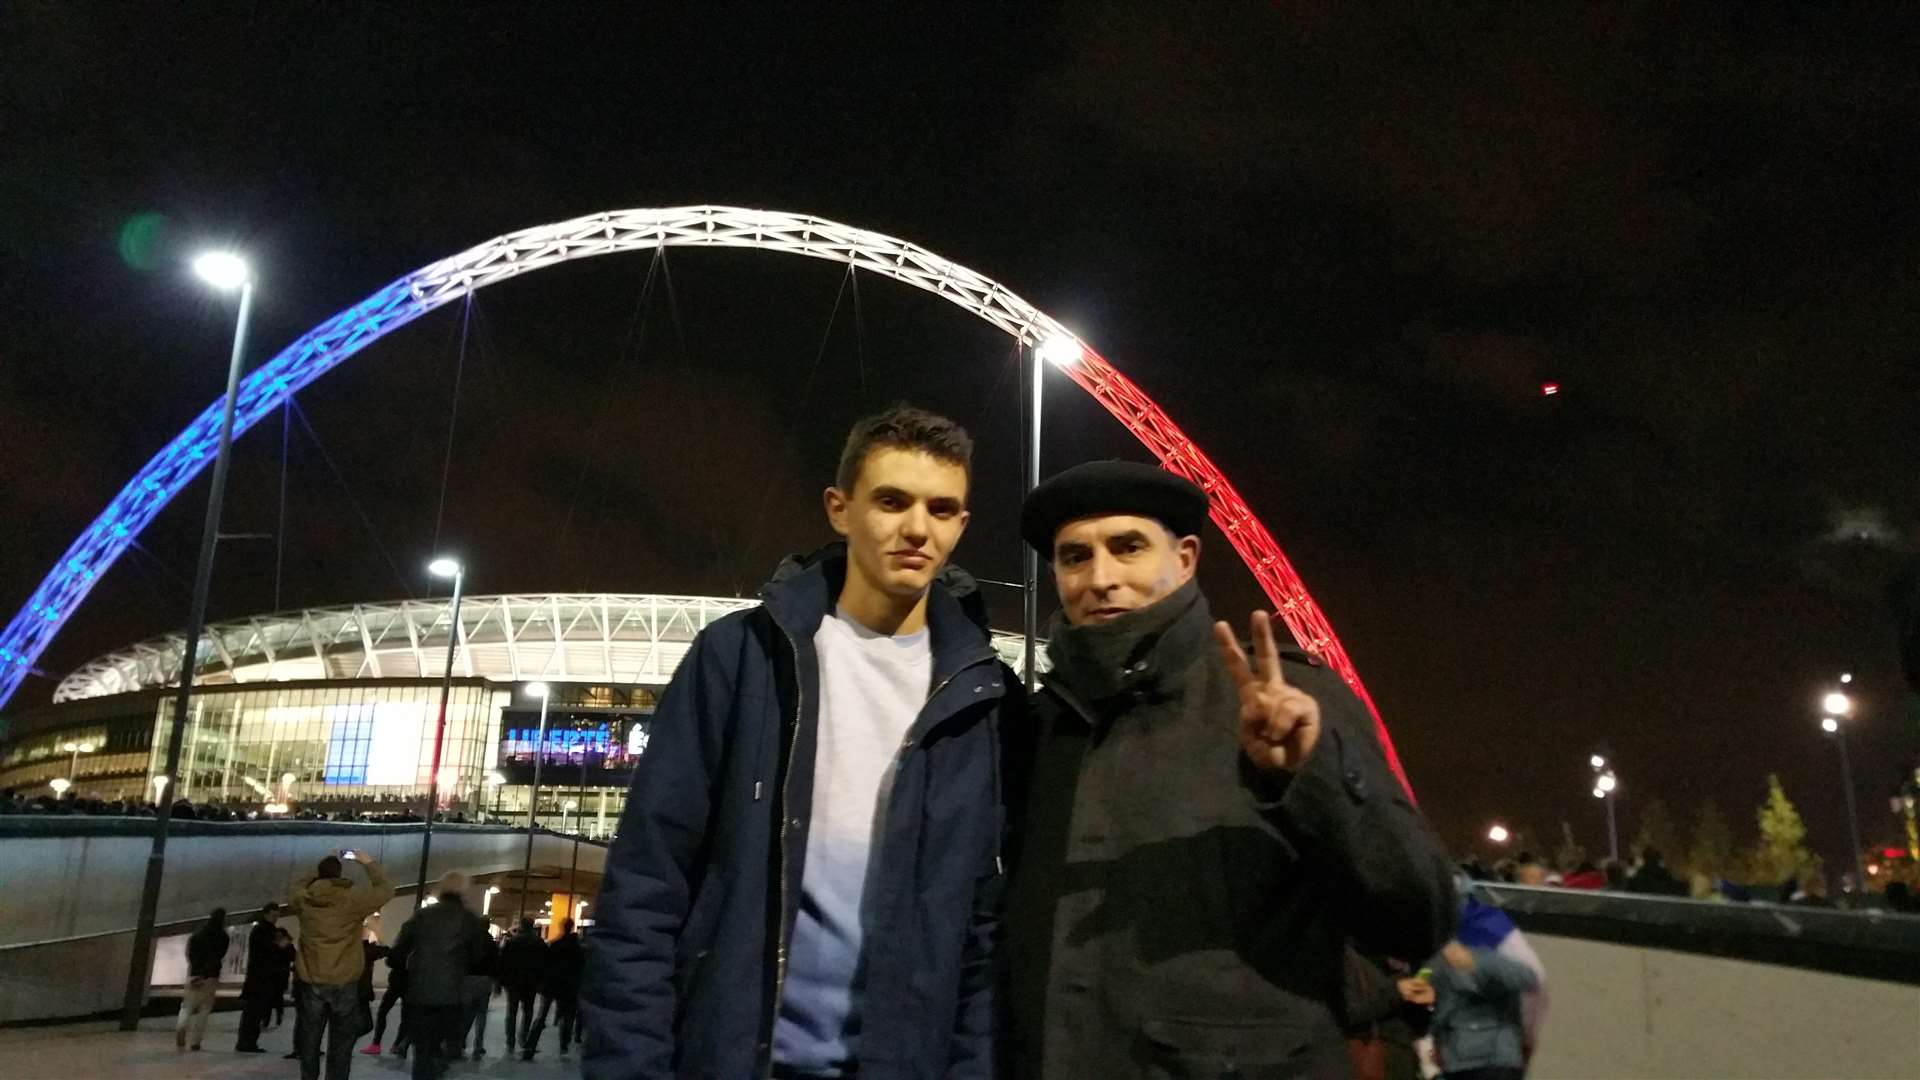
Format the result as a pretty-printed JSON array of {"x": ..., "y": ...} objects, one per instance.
[
  {"x": 1606, "y": 787},
  {"x": 543, "y": 692},
  {"x": 495, "y": 779},
  {"x": 1837, "y": 706},
  {"x": 440, "y": 567},
  {"x": 224, "y": 271},
  {"x": 76, "y": 749},
  {"x": 59, "y": 784},
  {"x": 1499, "y": 834}
]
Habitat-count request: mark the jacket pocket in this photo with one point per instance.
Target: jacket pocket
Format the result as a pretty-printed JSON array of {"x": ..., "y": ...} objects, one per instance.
[
  {"x": 1471, "y": 1043},
  {"x": 1225, "y": 1050}
]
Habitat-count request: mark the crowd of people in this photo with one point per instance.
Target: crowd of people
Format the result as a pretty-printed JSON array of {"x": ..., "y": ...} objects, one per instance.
[
  {"x": 377, "y": 811},
  {"x": 1649, "y": 875},
  {"x": 444, "y": 968}
]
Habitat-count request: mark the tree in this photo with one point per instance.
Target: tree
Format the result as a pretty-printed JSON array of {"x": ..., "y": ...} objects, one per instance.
[
  {"x": 1712, "y": 850},
  {"x": 1657, "y": 830},
  {"x": 1782, "y": 848}
]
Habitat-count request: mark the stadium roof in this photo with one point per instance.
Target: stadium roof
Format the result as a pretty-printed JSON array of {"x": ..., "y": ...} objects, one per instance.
[{"x": 617, "y": 638}]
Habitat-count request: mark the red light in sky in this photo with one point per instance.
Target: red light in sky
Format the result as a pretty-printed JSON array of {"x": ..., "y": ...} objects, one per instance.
[{"x": 1548, "y": 389}]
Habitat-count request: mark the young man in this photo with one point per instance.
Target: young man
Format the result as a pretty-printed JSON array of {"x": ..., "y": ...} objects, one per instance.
[
  {"x": 806, "y": 875},
  {"x": 1201, "y": 835}
]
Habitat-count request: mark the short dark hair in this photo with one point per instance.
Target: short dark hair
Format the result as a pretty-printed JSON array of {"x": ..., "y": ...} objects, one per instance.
[
  {"x": 903, "y": 427},
  {"x": 329, "y": 867}
]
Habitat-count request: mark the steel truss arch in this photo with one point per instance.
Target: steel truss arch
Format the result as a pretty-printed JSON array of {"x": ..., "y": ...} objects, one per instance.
[{"x": 328, "y": 344}]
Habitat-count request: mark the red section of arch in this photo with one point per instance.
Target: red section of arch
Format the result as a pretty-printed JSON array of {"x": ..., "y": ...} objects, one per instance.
[{"x": 1150, "y": 424}]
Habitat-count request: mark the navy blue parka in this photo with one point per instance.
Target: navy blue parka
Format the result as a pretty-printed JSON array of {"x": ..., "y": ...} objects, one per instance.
[{"x": 696, "y": 909}]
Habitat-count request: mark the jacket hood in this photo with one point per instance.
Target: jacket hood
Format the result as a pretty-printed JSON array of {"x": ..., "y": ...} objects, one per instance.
[
  {"x": 325, "y": 892},
  {"x": 803, "y": 589}
]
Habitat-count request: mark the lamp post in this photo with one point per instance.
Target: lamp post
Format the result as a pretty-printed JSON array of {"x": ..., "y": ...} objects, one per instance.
[
  {"x": 440, "y": 567},
  {"x": 1838, "y": 706},
  {"x": 224, "y": 271},
  {"x": 543, "y": 692},
  {"x": 1058, "y": 350},
  {"x": 76, "y": 749},
  {"x": 495, "y": 780},
  {"x": 1606, "y": 788}
]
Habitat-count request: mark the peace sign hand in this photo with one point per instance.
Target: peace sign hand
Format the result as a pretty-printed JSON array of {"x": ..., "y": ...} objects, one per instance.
[{"x": 1279, "y": 723}]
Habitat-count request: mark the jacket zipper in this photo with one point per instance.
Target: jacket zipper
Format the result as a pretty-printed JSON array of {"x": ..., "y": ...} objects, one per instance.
[{"x": 786, "y": 782}]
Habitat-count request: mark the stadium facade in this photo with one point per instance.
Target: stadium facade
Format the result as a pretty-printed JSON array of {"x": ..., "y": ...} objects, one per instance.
[{"x": 336, "y": 708}]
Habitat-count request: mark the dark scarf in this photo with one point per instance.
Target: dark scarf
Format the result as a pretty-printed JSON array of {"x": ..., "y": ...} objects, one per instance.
[{"x": 1143, "y": 655}]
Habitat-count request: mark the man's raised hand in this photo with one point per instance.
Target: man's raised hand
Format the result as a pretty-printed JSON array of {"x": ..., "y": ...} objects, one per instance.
[{"x": 1279, "y": 723}]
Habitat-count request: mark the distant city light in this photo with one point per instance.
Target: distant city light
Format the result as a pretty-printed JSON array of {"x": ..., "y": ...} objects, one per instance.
[
  {"x": 1846, "y": 678},
  {"x": 1548, "y": 389},
  {"x": 1498, "y": 834}
]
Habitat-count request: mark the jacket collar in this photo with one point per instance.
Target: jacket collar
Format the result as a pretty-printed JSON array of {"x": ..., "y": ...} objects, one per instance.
[
  {"x": 1139, "y": 656},
  {"x": 803, "y": 591}
]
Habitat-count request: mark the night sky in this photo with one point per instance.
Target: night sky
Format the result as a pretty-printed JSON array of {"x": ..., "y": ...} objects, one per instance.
[{"x": 1343, "y": 250}]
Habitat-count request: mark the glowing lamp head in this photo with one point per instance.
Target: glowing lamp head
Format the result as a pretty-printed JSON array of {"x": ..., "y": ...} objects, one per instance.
[
  {"x": 1498, "y": 834},
  {"x": 1837, "y": 704},
  {"x": 1829, "y": 724},
  {"x": 59, "y": 784},
  {"x": 1598, "y": 794},
  {"x": 1846, "y": 678},
  {"x": 1606, "y": 784},
  {"x": 1597, "y": 761},
  {"x": 444, "y": 567},
  {"x": 221, "y": 269},
  {"x": 539, "y": 690},
  {"x": 1060, "y": 350},
  {"x": 496, "y": 778}
]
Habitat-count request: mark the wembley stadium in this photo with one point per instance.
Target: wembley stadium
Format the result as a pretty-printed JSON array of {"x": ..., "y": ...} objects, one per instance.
[{"x": 335, "y": 708}]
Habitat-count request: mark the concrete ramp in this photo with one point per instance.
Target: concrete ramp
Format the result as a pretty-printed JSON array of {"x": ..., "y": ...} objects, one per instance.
[{"x": 68, "y": 913}]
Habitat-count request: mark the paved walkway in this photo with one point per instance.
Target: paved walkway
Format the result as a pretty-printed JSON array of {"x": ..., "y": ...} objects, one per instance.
[{"x": 84, "y": 1051}]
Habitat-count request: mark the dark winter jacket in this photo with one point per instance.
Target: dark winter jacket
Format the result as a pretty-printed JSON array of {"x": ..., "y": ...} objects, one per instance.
[
  {"x": 267, "y": 965},
  {"x": 565, "y": 958},
  {"x": 1176, "y": 911},
  {"x": 439, "y": 947},
  {"x": 205, "y": 951},
  {"x": 702, "y": 884},
  {"x": 523, "y": 963}
]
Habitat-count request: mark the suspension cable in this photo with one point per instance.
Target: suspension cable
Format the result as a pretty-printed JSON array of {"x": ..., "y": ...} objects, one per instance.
[
  {"x": 365, "y": 521},
  {"x": 453, "y": 421}
]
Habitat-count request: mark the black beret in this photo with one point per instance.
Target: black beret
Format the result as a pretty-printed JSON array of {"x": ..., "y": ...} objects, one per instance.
[{"x": 1111, "y": 487}]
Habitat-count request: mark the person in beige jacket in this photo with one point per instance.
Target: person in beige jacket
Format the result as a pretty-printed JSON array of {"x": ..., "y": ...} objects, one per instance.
[{"x": 331, "y": 909}]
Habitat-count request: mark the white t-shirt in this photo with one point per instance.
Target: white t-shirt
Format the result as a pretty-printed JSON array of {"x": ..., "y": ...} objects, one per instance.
[{"x": 872, "y": 687}]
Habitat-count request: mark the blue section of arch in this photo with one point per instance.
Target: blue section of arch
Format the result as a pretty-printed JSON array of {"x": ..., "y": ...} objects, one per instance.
[{"x": 174, "y": 467}]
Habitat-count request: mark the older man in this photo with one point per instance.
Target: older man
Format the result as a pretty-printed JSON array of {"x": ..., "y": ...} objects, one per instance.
[{"x": 1202, "y": 833}]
